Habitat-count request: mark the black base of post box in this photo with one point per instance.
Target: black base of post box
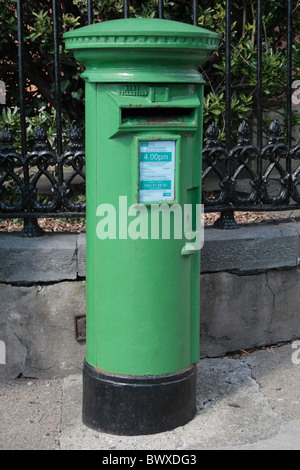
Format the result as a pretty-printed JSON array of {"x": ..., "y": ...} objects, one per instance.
[{"x": 137, "y": 405}]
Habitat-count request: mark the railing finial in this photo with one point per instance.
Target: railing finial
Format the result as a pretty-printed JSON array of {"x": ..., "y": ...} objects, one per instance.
[{"x": 6, "y": 141}]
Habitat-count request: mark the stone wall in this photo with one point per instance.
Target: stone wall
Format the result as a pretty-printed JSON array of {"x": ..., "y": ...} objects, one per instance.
[{"x": 250, "y": 281}]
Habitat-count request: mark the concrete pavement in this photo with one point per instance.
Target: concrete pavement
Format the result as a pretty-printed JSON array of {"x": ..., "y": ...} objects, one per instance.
[{"x": 249, "y": 401}]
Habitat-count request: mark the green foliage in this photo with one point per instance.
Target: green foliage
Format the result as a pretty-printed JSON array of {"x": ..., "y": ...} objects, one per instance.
[
  {"x": 41, "y": 27},
  {"x": 244, "y": 59},
  {"x": 11, "y": 120},
  {"x": 39, "y": 57}
]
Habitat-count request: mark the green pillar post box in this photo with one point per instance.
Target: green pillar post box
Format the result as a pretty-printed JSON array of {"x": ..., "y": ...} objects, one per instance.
[{"x": 144, "y": 97}]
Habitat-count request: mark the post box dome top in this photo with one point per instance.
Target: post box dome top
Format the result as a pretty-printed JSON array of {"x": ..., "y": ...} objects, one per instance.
[
  {"x": 135, "y": 42},
  {"x": 126, "y": 31}
]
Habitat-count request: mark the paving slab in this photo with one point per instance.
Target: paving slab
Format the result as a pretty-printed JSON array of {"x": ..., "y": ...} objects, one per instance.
[
  {"x": 249, "y": 401},
  {"x": 30, "y": 412}
]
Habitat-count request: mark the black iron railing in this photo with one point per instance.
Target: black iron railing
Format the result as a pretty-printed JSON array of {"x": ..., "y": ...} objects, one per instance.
[
  {"x": 229, "y": 161},
  {"x": 48, "y": 182}
]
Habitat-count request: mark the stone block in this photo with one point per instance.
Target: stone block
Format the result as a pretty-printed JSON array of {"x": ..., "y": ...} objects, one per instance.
[
  {"x": 37, "y": 326},
  {"x": 250, "y": 248},
  {"x": 241, "y": 312},
  {"x": 13, "y": 352},
  {"x": 284, "y": 285},
  {"x": 50, "y": 258},
  {"x": 235, "y": 312}
]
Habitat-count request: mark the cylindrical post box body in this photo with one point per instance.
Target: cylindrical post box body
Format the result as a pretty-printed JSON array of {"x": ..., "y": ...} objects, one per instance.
[{"x": 144, "y": 101}]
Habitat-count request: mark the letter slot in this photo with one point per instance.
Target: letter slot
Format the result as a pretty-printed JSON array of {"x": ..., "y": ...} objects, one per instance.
[{"x": 158, "y": 116}]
